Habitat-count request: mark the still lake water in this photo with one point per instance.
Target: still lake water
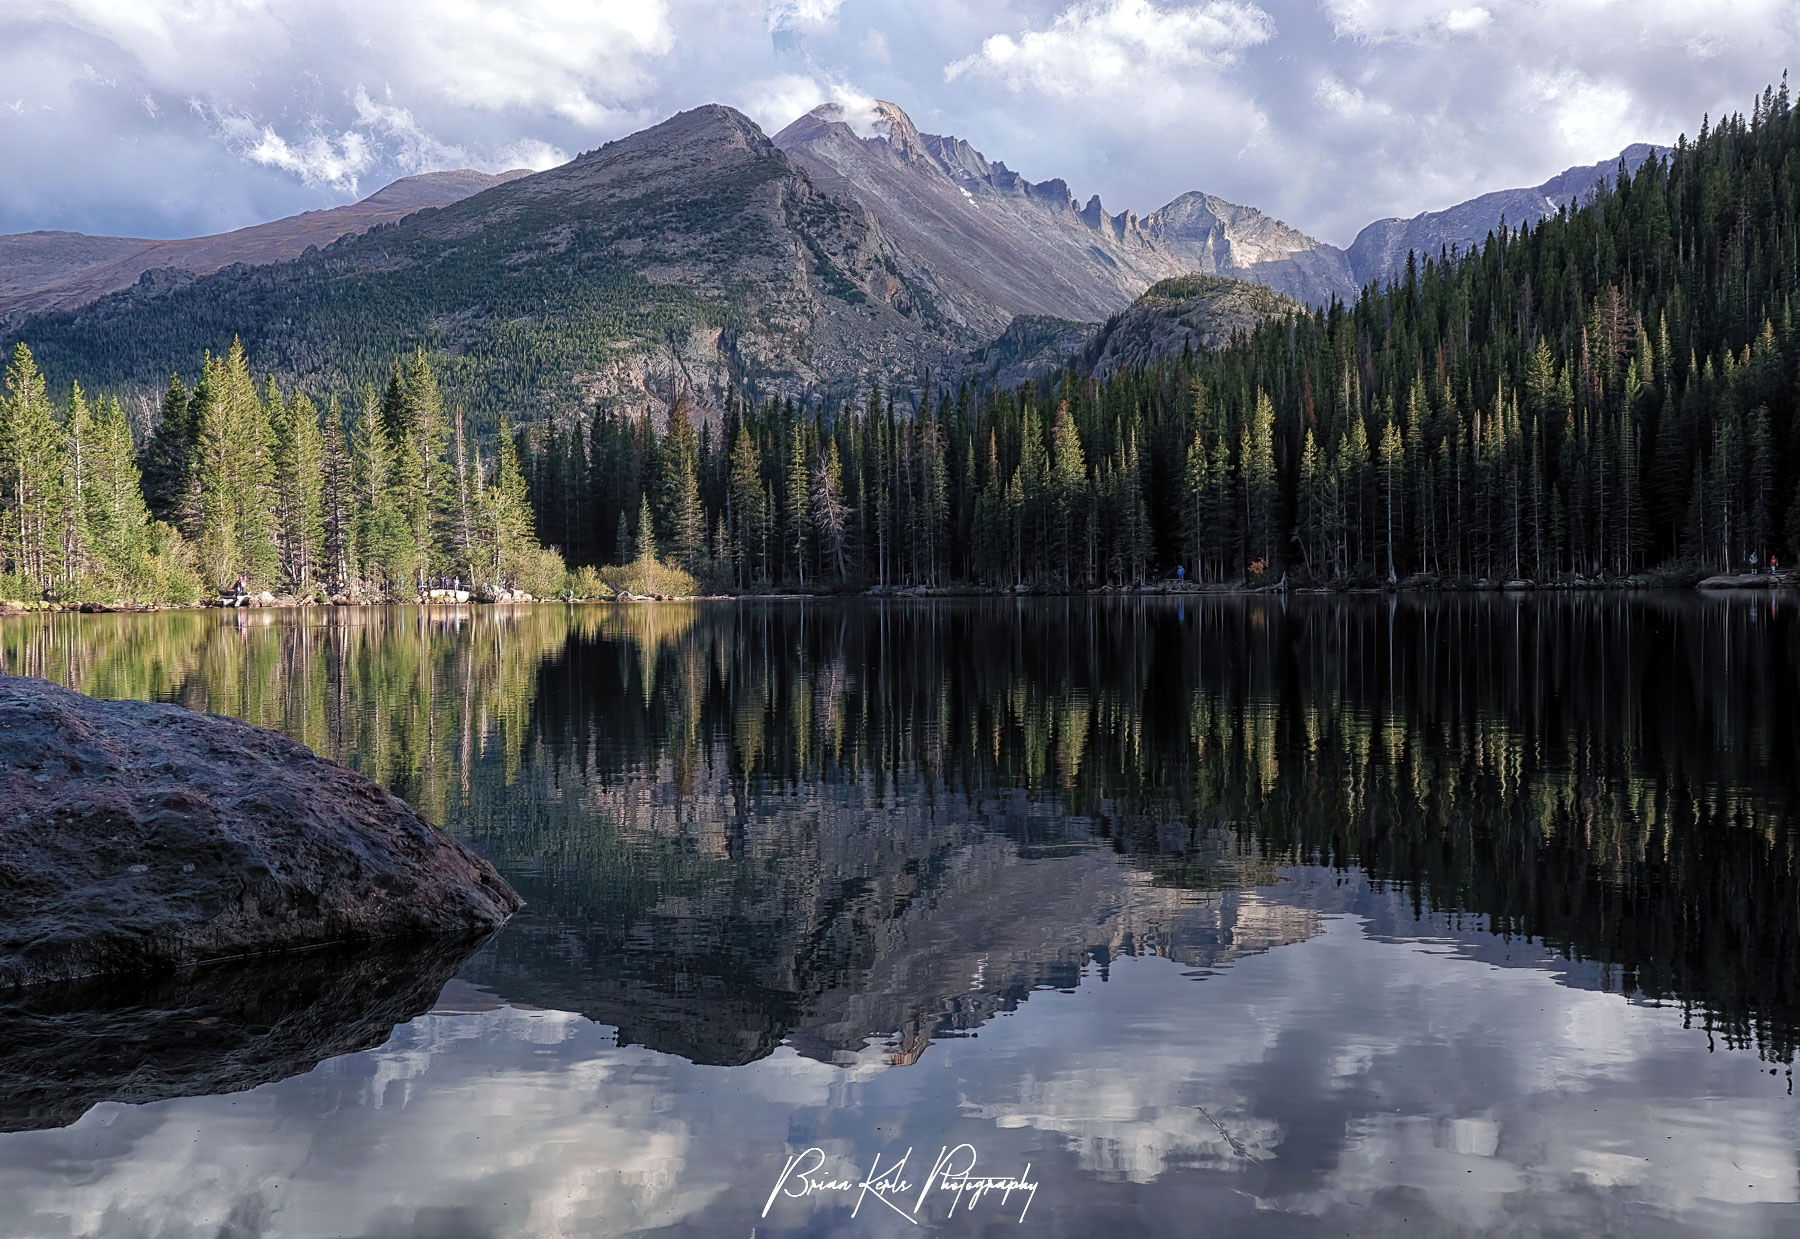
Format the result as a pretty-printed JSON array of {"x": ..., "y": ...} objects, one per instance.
[{"x": 1439, "y": 916}]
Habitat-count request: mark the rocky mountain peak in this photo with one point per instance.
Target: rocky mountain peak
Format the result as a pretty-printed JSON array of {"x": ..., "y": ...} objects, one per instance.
[{"x": 712, "y": 126}]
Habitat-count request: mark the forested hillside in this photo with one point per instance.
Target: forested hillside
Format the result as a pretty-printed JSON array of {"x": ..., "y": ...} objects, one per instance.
[
  {"x": 1610, "y": 391},
  {"x": 238, "y": 482}
]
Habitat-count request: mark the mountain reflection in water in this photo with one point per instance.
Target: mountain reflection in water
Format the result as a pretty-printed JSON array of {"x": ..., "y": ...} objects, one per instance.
[{"x": 1526, "y": 861}]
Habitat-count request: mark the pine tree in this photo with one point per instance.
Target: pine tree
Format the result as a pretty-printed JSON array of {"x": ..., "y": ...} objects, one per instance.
[
  {"x": 337, "y": 500},
  {"x": 383, "y": 556},
  {"x": 1260, "y": 484},
  {"x": 682, "y": 514},
  {"x": 31, "y": 475},
  {"x": 78, "y": 434},
  {"x": 799, "y": 500},
  {"x": 1393, "y": 469},
  {"x": 505, "y": 516},
  {"x": 644, "y": 549},
  {"x": 461, "y": 551},
  {"x": 1067, "y": 493},
  {"x": 237, "y": 534},
  {"x": 298, "y": 488},
  {"x": 117, "y": 521},
  {"x": 744, "y": 505},
  {"x": 829, "y": 510},
  {"x": 168, "y": 467}
]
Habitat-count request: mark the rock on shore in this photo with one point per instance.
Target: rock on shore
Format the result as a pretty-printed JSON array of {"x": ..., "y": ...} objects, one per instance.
[{"x": 140, "y": 837}]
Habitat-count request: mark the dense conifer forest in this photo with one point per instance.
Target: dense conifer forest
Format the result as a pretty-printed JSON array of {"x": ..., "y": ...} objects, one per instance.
[{"x": 1609, "y": 392}]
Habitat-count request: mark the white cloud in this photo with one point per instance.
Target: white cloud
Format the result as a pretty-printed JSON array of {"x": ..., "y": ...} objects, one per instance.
[
  {"x": 1467, "y": 21},
  {"x": 802, "y": 14},
  {"x": 531, "y": 153},
  {"x": 1107, "y": 46},
  {"x": 415, "y": 150},
  {"x": 775, "y": 101},
  {"x": 1730, "y": 22},
  {"x": 319, "y": 159},
  {"x": 586, "y": 62}
]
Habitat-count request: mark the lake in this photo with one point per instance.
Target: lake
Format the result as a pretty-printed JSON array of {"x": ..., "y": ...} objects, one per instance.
[{"x": 1447, "y": 915}]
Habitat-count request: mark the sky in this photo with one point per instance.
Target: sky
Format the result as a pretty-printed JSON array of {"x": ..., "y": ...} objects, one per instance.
[{"x": 168, "y": 118}]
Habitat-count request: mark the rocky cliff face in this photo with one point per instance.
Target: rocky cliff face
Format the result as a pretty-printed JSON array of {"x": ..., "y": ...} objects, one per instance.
[
  {"x": 1379, "y": 252},
  {"x": 65, "y": 270}
]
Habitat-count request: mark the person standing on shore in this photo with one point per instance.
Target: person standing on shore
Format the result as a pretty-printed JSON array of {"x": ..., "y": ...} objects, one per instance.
[{"x": 241, "y": 591}]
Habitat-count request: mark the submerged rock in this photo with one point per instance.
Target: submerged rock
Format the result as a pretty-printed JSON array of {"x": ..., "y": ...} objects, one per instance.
[{"x": 136, "y": 836}]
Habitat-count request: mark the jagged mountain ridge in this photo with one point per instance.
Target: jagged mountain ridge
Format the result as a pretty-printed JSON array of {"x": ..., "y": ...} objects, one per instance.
[
  {"x": 1008, "y": 246},
  {"x": 63, "y": 270}
]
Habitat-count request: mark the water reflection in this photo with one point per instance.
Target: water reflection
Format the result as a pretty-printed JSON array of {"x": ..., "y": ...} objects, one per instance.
[
  {"x": 218, "y": 1029},
  {"x": 810, "y": 843}
]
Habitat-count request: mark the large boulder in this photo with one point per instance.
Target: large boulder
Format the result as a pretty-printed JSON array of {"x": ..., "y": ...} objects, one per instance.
[{"x": 136, "y": 836}]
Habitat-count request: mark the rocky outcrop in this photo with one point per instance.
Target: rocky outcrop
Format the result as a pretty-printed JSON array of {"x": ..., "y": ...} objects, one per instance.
[
  {"x": 142, "y": 837},
  {"x": 1188, "y": 312}
]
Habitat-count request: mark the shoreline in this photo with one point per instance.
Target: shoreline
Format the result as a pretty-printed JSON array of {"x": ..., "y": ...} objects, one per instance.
[{"x": 1717, "y": 583}]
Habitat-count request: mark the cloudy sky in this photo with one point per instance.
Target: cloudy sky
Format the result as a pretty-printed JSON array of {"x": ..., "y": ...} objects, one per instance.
[{"x": 180, "y": 117}]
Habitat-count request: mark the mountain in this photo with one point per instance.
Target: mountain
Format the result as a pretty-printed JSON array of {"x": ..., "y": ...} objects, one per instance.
[
  {"x": 1184, "y": 312},
  {"x": 1209, "y": 236},
  {"x": 1379, "y": 251},
  {"x": 1003, "y": 245},
  {"x": 1006, "y": 246},
  {"x": 689, "y": 256},
  {"x": 695, "y": 257},
  {"x": 63, "y": 270}
]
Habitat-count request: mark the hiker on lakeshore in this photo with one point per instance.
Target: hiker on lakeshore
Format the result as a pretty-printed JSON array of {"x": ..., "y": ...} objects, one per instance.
[
  {"x": 240, "y": 591},
  {"x": 1752, "y": 563}
]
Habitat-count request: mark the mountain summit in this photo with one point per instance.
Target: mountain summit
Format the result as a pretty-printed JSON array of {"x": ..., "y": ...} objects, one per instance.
[{"x": 1008, "y": 246}]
